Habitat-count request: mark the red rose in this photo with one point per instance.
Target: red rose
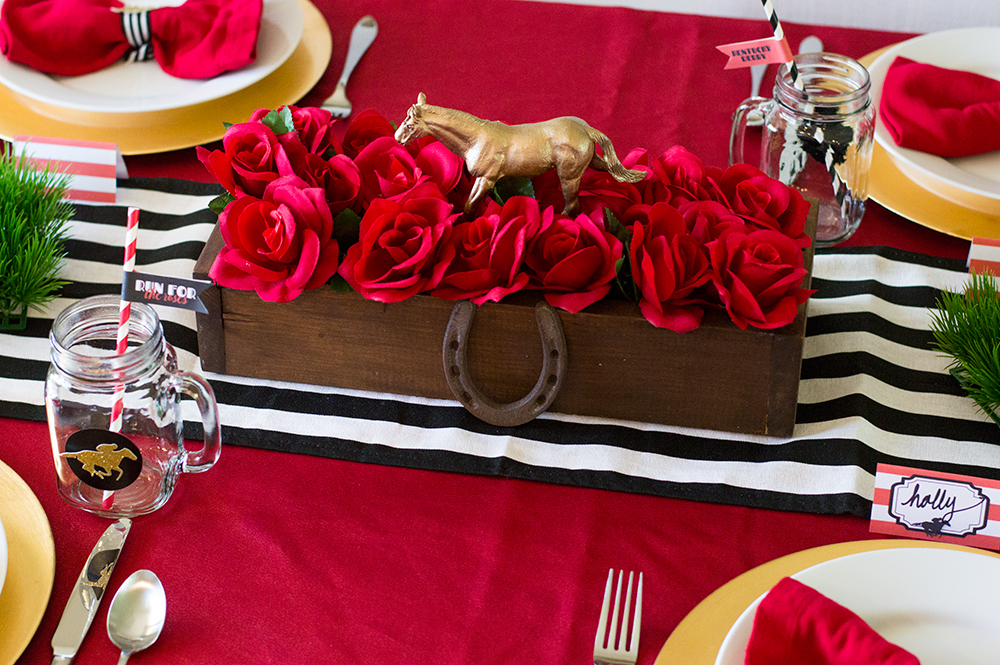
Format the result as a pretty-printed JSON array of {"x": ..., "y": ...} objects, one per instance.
[
  {"x": 338, "y": 177},
  {"x": 364, "y": 128},
  {"x": 668, "y": 264},
  {"x": 389, "y": 170},
  {"x": 251, "y": 158},
  {"x": 708, "y": 220},
  {"x": 278, "y": 246},
  {"x": 759, "y": 277},
  {"x": 402, "y": 248},
  {"x": 598, "y": 190},
  {"x": 677, "y": 177},
  {"x": 446, "y": 169},
  {"x": 489, "y": 251},
  {"x": 765, "y": 202},
  {"x": 313, "y": 127},
  {"x": 573, "y": 261}
]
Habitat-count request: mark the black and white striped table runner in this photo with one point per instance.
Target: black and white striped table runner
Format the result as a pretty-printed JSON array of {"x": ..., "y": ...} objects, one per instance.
[{"x": 872, "y": 389}]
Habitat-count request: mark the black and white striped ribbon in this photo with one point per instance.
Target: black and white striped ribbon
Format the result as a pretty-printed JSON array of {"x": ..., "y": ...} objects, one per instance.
[
  {"x": 872, "y": 387},
  {"x": 135, "y": 25}
]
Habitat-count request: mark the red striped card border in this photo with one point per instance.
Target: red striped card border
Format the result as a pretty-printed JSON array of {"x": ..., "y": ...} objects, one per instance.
[
  {"x": 72, "y": 167},
  {"x": 881, "y": 499}
]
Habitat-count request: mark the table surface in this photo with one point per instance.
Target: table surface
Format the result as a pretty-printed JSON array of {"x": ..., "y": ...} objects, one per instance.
[{"x": 279, "y": 557}]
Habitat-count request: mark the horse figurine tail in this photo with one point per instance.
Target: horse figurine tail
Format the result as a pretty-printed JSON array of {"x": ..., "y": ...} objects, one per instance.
[{"x": 611, "y": 164}]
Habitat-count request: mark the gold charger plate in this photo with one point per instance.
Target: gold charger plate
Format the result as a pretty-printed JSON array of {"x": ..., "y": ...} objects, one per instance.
[
  {"x": 698, "y": 637},
  {"x": 894, "y": 190},
  {"x": 162, "y": 131},
  {"x": 31, "y": 565}
]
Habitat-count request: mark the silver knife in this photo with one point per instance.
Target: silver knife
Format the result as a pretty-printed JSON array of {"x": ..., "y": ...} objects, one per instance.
[{"x": 87, "y": 593}]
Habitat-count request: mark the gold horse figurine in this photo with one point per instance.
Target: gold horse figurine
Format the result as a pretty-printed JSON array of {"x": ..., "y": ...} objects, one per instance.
[{"x": 493, "y": 150}]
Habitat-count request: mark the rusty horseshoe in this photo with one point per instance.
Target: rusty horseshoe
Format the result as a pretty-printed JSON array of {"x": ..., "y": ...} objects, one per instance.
[{"x": 456, "y": 368}]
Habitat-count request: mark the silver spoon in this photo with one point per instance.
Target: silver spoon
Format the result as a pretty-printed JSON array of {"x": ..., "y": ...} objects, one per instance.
[{"x": 136, "y": 615}]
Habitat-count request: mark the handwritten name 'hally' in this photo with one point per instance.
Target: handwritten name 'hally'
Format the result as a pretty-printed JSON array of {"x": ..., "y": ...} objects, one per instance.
[{"x": 939, "y": 500}]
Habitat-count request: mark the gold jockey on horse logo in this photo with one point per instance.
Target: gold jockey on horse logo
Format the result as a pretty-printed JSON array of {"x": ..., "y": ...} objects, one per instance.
[{"x": 103, "y": 461}]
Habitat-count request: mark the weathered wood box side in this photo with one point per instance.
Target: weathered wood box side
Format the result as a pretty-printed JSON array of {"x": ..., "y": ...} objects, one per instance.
[{"x": 619, "y": 366}]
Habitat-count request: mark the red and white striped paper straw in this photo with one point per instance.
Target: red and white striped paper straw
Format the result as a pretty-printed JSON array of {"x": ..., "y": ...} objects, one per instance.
[{"x": 124, "y": 315}]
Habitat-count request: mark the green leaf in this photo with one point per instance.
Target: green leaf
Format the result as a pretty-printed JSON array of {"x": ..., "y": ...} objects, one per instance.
[
  {"x": 618, "y": 229},
  {"x": 508, "y": 188},
  {"x": 219, "y": 203},
  {"x": 339, "y": 284},
  {"x": 623, "y": 267},
  {"x": 279, "y": 122},
  {"x": 346, "y": 227}
]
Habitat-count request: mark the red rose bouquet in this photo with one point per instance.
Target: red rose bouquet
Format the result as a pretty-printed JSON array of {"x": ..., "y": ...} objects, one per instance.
[{"x": 305, "y": 208}]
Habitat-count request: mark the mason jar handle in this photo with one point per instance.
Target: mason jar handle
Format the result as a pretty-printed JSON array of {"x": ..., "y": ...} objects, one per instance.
[
  {"x": 739, "y": 130},
  {"x": 197, "y": 388}
]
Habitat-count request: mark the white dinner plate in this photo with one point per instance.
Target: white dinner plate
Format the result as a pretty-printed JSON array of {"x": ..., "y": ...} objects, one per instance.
[
  {"x": 3, "y": 556},
  {"x": 142, "y": 86},
  {"x": 972, "y": 181},
  {"x": 941, "y": 605}
]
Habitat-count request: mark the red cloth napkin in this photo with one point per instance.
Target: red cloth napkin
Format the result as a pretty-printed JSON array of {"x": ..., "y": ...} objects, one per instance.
[
  {"x": 199, "y": 39},
  {"x": 797, "y": 625},
  {"x": 944, "y": 112}
]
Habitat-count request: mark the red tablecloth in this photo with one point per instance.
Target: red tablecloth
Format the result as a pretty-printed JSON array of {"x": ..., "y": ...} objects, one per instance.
[{"x": 279, "y": 558}]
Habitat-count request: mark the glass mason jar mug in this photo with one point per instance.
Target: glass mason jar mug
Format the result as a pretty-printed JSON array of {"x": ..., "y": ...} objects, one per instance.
[
  {"x": 132, "y": 471},
  {"x": 817, "y": 137}
]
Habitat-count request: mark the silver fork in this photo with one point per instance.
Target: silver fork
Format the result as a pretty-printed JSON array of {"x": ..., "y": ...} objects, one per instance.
[
  {"x": 608, "y": 651},
  {"x": 362, "y": 36}
]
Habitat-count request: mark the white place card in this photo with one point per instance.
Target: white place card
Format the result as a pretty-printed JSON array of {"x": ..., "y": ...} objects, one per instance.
[{"x": 931, "y": 505}]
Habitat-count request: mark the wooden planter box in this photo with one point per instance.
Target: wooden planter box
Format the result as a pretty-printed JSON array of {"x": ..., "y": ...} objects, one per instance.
[{"x": 619, "y": 366}]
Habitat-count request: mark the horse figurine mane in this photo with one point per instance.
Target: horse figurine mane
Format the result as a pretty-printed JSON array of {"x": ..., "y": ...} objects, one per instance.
[{"x": 493, "y": 150}]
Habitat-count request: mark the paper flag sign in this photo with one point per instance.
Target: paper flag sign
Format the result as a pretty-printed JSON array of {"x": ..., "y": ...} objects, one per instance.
[
  {"x": 160, "y": 290},
  {"x": 931, "y": 505},
  {"x": 984, "y": 256},
  {"x": 769, "y": 50},
  {"x": 92, "y": 166}
]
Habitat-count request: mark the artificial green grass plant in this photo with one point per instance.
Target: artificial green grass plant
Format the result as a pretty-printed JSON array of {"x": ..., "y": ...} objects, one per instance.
[
  {"x": 33, "y": 216},
  {"x": 966, "y": 327}
]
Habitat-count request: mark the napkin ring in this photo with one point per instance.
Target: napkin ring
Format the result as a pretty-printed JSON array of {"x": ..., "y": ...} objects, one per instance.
[{"x": 135, "y": 25}]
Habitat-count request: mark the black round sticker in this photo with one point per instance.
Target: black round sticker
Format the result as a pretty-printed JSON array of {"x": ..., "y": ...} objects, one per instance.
[{"x": 103, "y": 459}]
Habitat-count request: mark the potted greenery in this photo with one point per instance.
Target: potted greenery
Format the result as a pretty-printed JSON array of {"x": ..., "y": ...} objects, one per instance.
[
  {"x": 966, "y": 327},
  {"x": 33, "y": 216}
]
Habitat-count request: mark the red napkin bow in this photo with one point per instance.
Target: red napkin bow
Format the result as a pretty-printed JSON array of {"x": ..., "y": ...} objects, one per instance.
[
  {"x": 199, "y": 39},
  {"x": 797, "y": 625},
  {"x": 944, "y": 112}
]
